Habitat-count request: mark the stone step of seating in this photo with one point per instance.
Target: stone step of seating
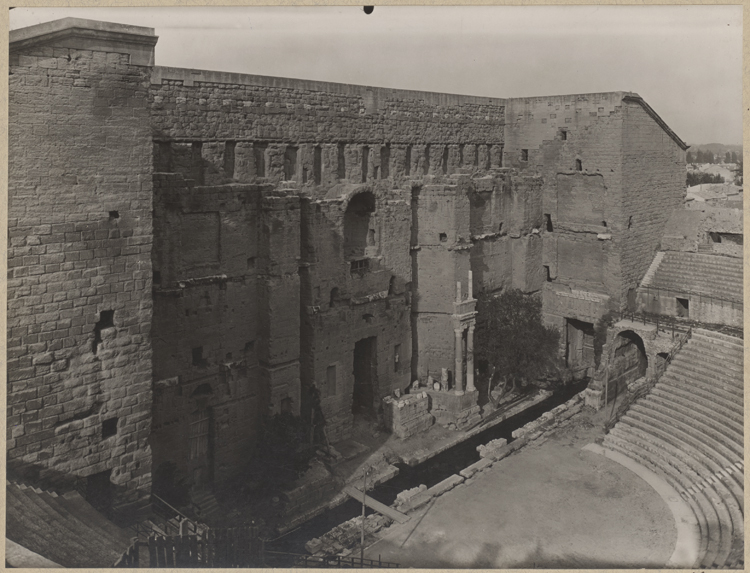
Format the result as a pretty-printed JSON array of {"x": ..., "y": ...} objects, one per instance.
[
  {"x": 729, "y": 445},
  {"x": 726, "y": 519},
  {"x": 685, "y": 401},
  {"x": 694, "y": 374},
  {"x": 700, "y": 473},
  {"x": 689, "y": 379},
  {"x": 667, "y": 404},
  {"x": 677, "y": 286},
  {"x": 693, "y": 447},
  {"x": 716, "y": 335},
  {"x": 719, "y": 345},
  {"x": 65, "y": 529},
  {"x": 722, "y": 454},
  {"x": 696, "y": 280},
  {"x": 726, "y": 410},
  {"x": 703, "y": 390},
  {"x": 705, "y": 261},
  {"x": 703, "y": 509},
  {"x": 717, "y": 352},
  {"x": 698, "y": 272},
  {"x": 701, "y": 364}
]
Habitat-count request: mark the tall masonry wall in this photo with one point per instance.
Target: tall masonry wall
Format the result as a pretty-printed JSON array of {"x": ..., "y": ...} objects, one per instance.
[
  {"x": 653, "y": 187},
  {"x": 205, "y": 326},
  {"x": 79, "y": 258},
  {"x": 599, "y": 219}
]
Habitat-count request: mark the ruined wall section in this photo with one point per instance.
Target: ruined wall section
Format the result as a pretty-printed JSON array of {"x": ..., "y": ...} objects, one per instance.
[
  {"x": 441, "y": 249},
  {"x": 214, "y": 126},
  {"x": 505, "y": 222},
  {"x": 205, "y": 335},
  {"x": 342, "y": 304},
  {"x": 653, "y": 186},
  {"x": 575, "y": 143},
  {"x": 79, "y": 284}
]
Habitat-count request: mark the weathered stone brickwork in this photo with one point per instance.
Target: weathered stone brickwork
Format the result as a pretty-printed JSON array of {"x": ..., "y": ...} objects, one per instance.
[
  {"x": 306, "y": 244},
  {"x": 79, "y": 258}
]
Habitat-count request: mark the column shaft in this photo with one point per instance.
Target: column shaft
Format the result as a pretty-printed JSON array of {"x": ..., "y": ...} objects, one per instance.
[
  {"x": 470, "y": 359},
  {"x": 458, "y": 375}
]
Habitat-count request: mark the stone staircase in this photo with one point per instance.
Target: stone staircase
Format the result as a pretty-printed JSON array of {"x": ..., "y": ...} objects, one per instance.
[
  {"x": 689, "y": 430},
  {"x": 65, "y": 528},
  {"x": 205, "y": 506},
  {"x": 649, "y": 276},
  {"x": 715, "y": 275}
]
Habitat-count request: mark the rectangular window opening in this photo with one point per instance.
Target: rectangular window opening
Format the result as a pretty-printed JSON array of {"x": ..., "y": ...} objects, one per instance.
[
  {"x": 524, "y": 155},
  {"x": 548, "y": 220},
  {"x": 407, "y": 161},
  {"x": 341, "y": 162},
  {"x": 426, "y": 166},
  {"x": 317, "y": 165},
  {"x": 444, "y": 161},
  {"x": 229, "y": 148},
  {"x": 331, "y": 379},
  {"x": 385, "y": 161},
  {"x": 109, "y": 428},
  {"x": 290, "y": 162},
  {"x": 397, "y": 358},
  {"x": 683, "y": 307},
  {"x": 365, "y": 161},
  {"x": 259, "y": 151},
  {"x": 197, "y": 354}
]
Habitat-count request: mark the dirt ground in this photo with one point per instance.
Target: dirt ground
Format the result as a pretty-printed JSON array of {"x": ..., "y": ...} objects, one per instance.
[{"x": 550, "y": 505}]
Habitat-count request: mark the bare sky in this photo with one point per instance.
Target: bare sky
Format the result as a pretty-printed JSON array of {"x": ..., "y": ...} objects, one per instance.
[{"x": 684, "y": 60}]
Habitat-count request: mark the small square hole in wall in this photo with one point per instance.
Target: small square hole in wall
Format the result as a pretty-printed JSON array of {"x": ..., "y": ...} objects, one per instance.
[
  {"x": 250, "y": 263},
  {"x": 250, "y": 346},
  {"x": 197, "y": 353},
  {"x": 524, "y": 155},
  {"x": 443, "y": 237},
  {"x": 109, "y": 428},
  {"x": 114, "y": 214}
]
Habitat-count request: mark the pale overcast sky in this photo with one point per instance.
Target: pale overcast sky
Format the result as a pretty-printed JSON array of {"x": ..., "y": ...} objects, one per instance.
[{"x": 684, "y": 60}]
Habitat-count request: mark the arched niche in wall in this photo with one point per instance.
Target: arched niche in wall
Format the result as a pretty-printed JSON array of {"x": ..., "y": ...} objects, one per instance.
[{"x": 357, "y": 232}]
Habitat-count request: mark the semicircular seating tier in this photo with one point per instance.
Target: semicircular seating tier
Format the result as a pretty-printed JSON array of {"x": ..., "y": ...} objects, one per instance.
[
  {"x": 65, "y": 529},
  {"x": 689, "y": 430},
  {"x": 712, "y": 275}
]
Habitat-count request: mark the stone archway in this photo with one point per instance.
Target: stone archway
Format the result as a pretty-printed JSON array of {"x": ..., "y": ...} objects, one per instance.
[{"x": 628, "y": 360}]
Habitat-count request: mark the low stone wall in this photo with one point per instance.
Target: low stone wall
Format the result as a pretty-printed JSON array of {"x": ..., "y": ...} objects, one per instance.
[
  {"x": 341, "y": 539},
  {"x": 407, "y": 415},
  {"x": 455, "y": 411}
]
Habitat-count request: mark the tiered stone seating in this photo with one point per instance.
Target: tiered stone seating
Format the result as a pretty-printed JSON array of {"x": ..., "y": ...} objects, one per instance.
[
  {"x": 689, "y": 430},
  {"x": 714, "y": 275},
  {"x": 65, "y": 528}
]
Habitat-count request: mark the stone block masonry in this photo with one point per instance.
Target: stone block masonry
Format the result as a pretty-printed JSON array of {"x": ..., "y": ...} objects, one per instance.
[
  {"x": 79, "y": 258},
  {"x": 300, "y": 243},
  {"x": 408, "y": 415}
]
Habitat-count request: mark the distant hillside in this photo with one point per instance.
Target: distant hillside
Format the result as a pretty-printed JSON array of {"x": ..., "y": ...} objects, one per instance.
[{"x": 715, "y": 148}]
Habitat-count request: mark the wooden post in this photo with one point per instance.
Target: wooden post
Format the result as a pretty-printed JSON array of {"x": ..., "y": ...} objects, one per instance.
[{"x": 364, "y": 497}]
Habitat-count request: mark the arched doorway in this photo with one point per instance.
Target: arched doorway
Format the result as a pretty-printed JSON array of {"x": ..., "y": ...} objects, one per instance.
[{"x": 627, "y": 361}]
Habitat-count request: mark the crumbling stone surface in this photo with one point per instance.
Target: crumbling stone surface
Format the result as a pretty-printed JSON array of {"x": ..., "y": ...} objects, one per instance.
[
  {"x": 407, "y": 415},
  {"x": 79, "y": 260}
]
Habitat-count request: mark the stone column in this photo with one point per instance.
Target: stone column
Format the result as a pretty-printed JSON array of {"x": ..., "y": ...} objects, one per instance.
[
  {"x": 459, "y": 372},
  {"x": 470, "y": 360}
]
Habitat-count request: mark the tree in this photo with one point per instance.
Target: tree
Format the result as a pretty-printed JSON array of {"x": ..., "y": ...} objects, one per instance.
[
  {"x": 734, "y": 157},
  {"x": 512, "y": 344},
  {"x": 728, "y": 157},
  {"x": 690, "y": 158},
  {"x": 701, "y": 178},
  {"x": 738, "y": 172}
]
